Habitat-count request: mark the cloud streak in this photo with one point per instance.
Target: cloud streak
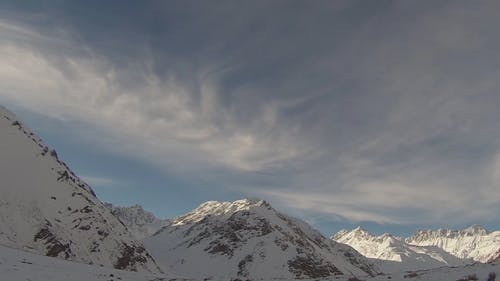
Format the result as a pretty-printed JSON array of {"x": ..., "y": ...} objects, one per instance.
[{"x": 155, "y": 115}]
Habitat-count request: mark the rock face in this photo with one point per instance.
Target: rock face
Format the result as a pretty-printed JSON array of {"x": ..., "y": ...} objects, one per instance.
[
  {"x": 393, "y": 254},
  {"x": 139, "y": 222},
  {"x": 471, "y": 243},
  {"x": 45, "y": 208},
  {"x": 249, "y": 240}
]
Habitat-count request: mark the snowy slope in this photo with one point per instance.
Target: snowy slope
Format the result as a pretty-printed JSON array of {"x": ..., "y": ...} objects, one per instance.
[
  {"x": 477, "y": 271},
  {"x": 393, "y": 254},
  {"x": 139, "y": 222},
  {"x": 248, "y": 239},
  {"x": 16, "y": 265},
  {"x": 45, "y": 208},
  {"x": 471, "y": 243}
]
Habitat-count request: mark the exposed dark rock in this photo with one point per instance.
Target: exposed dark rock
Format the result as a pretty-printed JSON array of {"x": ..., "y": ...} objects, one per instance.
[
  {"x": 85, "y": 227},
  {"x": 53, "y": 245},
  {"x": 308, "y": 267},
  {"x": 219, "y": 248},
  {"x": 242, "y": 266},
  {"x": 63, "y": 176},
  {"x": 411, "y": 275},
  {"x": 54, "y": 249},
  {"x": 43, "y": 233},
  {"x": 130, "y": 255},
  {"x": 102, "y": 233},
  {"x": 18, "y": 124},
  {"x": 44, "y": 150},
  {"x": 86, "y": 209},
  {"x": 53, "y": 153}
]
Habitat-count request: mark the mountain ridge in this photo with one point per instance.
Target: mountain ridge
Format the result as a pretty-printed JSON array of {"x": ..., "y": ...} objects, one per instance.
[
  {"x": 248, "y": 239},
  {"x": 46, "y": 209},
  {"x": 473, "y": 242},
  {"x": 426, "y": 248},
  {"x": 140, "y": 223},
  {"x": 392, "y": 253}
]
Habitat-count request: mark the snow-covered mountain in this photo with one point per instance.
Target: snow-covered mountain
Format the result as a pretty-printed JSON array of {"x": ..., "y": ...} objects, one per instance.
[
  {"x": 139, "y": 222},
  {"x": 249, "y": 240},
  {"x": 393, "y": 254},
  {"x": 471, "y": 243},
  {"x": 46, "y": 209},
  {"x": 16, "y": 265}
]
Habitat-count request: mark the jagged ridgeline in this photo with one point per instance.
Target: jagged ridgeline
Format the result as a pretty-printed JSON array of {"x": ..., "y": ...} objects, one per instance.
[
  {"x": 139, "y": 222},
  {"x": 45, "y": 208},
  {"x": 426, "y": 249},
  {"x": 250, "y": 240}
]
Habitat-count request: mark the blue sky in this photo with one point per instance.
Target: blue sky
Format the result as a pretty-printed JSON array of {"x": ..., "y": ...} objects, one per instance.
[{"x": 343, "y": 113}]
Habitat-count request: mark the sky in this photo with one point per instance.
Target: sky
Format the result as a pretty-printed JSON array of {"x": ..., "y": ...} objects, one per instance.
[{"x": 382, "y": 114}]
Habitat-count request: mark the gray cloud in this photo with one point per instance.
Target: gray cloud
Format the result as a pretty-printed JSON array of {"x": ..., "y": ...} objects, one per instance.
[{"x": 382, "y": 112}]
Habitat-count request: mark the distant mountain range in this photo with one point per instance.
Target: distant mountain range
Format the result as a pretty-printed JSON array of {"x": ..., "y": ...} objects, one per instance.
[
  {"x": 426, "y": 249},
  {"x": 212, "y": 234},
  {"x": 471, "y": 243}
]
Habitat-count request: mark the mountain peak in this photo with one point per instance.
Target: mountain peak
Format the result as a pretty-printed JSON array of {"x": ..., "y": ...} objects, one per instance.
[
  {"x": 359, "y": 232},
  {"x": 248, "y": 239},
  {"x": 475, "y": 229},
  {"x": 360, "y": 229},
  {"x": 216, "y": 208},
  {"x": 245, "y": 202},
  {"x": 140, "y": 223}
]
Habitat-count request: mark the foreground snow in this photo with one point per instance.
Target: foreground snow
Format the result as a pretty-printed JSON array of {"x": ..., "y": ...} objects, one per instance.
[
  {"x": 468, "y": 272},
  {"x": 16, "y": 265}
]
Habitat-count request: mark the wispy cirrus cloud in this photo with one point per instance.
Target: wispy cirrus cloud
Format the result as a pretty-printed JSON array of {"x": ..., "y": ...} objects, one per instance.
[
  {"x": 157, "y": 116},
  {"x": 359, "y": 111}
]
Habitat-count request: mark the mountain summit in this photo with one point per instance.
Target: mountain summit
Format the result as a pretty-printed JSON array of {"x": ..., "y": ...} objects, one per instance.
[
  {"x": 139, "y": 222},
  {"x": 248, "y": 239},
  {"x": 46, "y": 209}
]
